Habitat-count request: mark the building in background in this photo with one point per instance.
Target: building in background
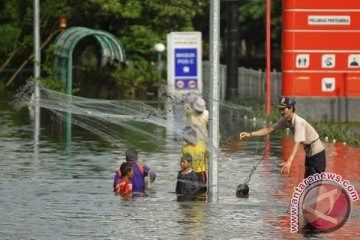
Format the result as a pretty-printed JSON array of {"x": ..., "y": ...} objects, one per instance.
[{"x": 321, "y": 58}]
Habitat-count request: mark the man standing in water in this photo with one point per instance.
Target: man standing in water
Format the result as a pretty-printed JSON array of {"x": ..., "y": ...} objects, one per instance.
[
  {"x": 304, "y": 133},
  {"x": 197, "y": 117},
  {"x": 140, "y": 171}
]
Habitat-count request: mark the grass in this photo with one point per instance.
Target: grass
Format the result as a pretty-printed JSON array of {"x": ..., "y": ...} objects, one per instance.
[{"x": 341, "y": 132}]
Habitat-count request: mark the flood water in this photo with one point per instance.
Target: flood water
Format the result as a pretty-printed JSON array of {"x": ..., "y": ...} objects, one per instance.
[{"x": 47, "y": 192}]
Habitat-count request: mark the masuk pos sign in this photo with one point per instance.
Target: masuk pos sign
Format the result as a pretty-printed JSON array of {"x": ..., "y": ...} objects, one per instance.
[{"x": 184, "y": 63}]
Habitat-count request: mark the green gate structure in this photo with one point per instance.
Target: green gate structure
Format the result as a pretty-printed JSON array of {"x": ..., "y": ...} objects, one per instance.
[{"x": 65, "y": 44}]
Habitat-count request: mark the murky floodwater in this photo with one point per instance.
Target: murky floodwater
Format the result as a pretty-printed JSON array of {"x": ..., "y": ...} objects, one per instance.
[{"x": 47, "y": 192}]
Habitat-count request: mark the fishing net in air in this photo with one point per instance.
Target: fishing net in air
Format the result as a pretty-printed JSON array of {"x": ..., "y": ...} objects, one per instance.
[{"x": 114, "y": 120}]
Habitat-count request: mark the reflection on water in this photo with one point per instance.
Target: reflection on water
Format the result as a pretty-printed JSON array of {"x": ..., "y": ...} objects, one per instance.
[{"x": 57, "y": 197}]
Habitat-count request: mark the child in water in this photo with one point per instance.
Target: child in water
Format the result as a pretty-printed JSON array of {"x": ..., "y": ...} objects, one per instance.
[
  {"x": 187, "y": 185},
  {"x": 124, "y": 185},
  {"x": 140, "y": 171}
]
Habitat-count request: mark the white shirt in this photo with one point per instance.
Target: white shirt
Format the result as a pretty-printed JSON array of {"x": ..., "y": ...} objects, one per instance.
[
  {"x": 303, "y": 132},
  {"x": 199, "y": 122}
]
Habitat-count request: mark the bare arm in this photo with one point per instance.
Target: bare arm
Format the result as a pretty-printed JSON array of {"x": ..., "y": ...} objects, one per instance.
[
  {"x": 285, "y": 166},
  {"x": 258, "y": 133}
]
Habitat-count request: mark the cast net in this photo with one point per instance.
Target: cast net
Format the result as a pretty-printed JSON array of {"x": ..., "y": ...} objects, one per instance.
[{"x": 116, "y": 120}]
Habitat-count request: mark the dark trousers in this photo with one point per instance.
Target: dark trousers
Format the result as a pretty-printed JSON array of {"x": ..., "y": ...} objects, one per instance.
[
  {"x": 315, "y": 164},
  {"x": 202, "y": 178}
]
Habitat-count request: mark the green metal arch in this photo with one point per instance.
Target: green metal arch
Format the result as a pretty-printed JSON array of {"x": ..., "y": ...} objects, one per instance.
[{"x": 66, "y": 42}]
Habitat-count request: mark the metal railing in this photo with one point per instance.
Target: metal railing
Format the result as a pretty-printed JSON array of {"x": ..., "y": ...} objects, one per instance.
[{"x": 251, "y": 83}]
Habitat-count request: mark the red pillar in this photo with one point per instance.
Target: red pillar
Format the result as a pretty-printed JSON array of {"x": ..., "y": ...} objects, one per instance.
[{"x": 268, "y": 57}]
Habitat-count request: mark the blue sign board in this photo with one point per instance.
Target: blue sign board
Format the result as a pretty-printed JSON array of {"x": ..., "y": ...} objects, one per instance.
[
  {"x": 184, "y": 65},
  {"x": 186, "y": 62}
]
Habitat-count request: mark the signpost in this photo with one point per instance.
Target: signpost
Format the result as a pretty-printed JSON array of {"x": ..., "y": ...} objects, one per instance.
[
  {"x": 185, "y": 76},
  {"x": 184, "y": 63}
]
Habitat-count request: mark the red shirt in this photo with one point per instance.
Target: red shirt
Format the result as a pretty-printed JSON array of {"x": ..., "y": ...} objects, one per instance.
[{"x": 124, "y": 187}]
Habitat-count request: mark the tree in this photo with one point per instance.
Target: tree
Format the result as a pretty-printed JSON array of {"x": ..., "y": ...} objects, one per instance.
[
  {"x": 16, "y": 45},
  {"x": 138, "y": 24},
  {"x": 252, "y": 20}
]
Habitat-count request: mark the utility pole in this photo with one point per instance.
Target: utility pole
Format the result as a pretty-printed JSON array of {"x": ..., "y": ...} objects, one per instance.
[
  {"x": 214, "y": 98},
  {"x": 37, "y": 60}
]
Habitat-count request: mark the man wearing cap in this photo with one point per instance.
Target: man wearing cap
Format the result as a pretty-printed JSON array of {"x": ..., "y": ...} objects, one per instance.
[
  {"x": 140, "y": 171},
  {"x": 198, "y": 118},
  {"x": 304, "y": 133}
]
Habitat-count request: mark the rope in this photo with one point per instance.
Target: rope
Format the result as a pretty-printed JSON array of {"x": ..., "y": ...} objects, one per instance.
[{"x": 252, "y": 171}]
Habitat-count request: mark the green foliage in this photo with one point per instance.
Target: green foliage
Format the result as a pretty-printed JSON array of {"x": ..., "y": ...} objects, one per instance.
[
  {"x": 8, "y": 33},
  {"x": 135, "y": 74},
  {"x": 139, "y": 42},
  {"x": 252, "y": 22},
  {"x": 138, "y": 24},
  {"x": 337, "y": 131},
  {"x": 126, "y": 9},
  {"x": 9, "y": 26},
  {"x": 254, "y": 10},
  {"x": 53, "y": 84},
  {"x": 50, "y": 83},
  {"x": 259, "y": 109},
  {"x": 1, "y": 87}
]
